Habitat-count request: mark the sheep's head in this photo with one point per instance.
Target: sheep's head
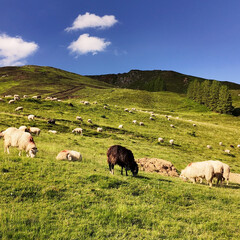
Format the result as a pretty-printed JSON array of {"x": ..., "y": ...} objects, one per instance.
[
  {"x": 182, "y": 175},
  {"x": 134, "y": 169},
  {"x": 33, "y": 152}
]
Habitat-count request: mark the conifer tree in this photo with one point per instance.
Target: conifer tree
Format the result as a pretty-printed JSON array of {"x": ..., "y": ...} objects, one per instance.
[
  {"x": 190, "y": 90},
  {"x": 214, "y": 95},
  {"x": 205, "y": 88},
  {"x": 225, "y": 100}
]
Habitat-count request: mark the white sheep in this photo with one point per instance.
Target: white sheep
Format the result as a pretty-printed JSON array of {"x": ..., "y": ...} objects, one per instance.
[
  {"x": 1, "y": 100},
  {"x": 126, "y": 110},
  {"x": 11, "y": 101},
  {"x": 141, "y": 124},
  {"x": 89, "y": 121},
  {"x": 120, "y": 126},
  {"x": 79, "y": 118},
  {"x": 227, "y": 151},
  {"x": 16, "y": 97},
  {"x": 151, "y": 118},
  {"x": 171, "y": 142},
  {"x": 198, "y": 170},
  {"x": 31, "y": 117},
  {"x": 23, "y": 128},
  {"x": 36, "y": 97},
  {"x": 35, "y": 130},
  {"x": 209, "y": 146},
  {"x": 86, "y": 103},
  {"x": 52, "y": 131},
  {"x": 78, "y": 131},
  {"x": 220, "y": 143},
  {"x": 8, "y": 96},
  {"x": 161, "y": 140},
  {"x": 25, "y": 96},
  {"x": 99, "y": 129},
  {"x": 69, "y": 155},
  {"x": 134, "y": 121},
  {"x": 194, "y": 125},
  {"x": 172, "y": 126},
  {"x": 18, "y": 108},
  {"x": 14, "y": 137}
]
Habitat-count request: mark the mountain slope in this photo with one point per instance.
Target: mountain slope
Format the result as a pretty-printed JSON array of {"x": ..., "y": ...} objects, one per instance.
[
  {"x": 44, "y": 81},
  {"x": 155, "y": 80}
]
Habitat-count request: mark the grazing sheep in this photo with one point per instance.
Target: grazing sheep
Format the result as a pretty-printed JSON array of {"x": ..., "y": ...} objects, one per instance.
[
  {"x": 151, "y": 118},
  {"x": 122, "y": 156},
  {"x": 172, "y": 126},
  {"x": 171, "y": 142},
  {"x": 126, "y": 110},
  {"x": 238, "y": 146},
  {"x": 25, "y": 96},
  {"x": 209, "y": 146},
  {"x": 14, "y": 137},
  {"x": 37, "y": 97},
  {"x": 89, "y": 121},
  {"x": 1, "y": 100},
  {"x": 31, "y": 117},
  {"x": 52, "y": 131},
  {"x": 8, "y": 96},
  {"x": 23, "y": 128},
  {"x": 11, "y": 101},
  {"x": 194, "y": 125},
  {"x": 99, "y": 129},
  {"x": 35, "y": 130},
  {"x": 18, "y": 108},
  {"x": 51, "y": 121},
  {"x": 69, "y": 155},
  {"x": 198, "y": 170},
  {"x": 16, "y": 97},
  {"x": 78, "y": 131},
  {"x": 218, "y": 170},
  {"x": 120, "y": 126},
  {"x": 231, "y": 146},
  {"x": 86, "y": 103},
  {"x": 161, "y": 140},
  {"x": 79, "y": 118},
  {"x": 141, "y": 124},
  {"x": 227, "y": 151},
  {"x": 105, "y": 107},
  {"x": 220, "y": 143},
  {"x": 134, "y": 121}
]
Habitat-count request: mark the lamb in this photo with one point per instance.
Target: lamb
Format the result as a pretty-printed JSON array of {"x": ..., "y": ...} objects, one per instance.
[
  {"x": 14, "y": 137},
  {"x": 31, "y": 117},
  {"x": 141, "y": 124},
  {"x": 78, "y": 131},
  {"x": 69, "y": 155},
  {"x": 198, "y": 170},
  {"x": 11, "y": 101},
  {"x": 161, "y": 140},
  {"x": 122, "y": 156},
  {"x": 134, "y": 121},
  {"x": 99, "y": 129},
  {"x": 209, "y": 146},
  {"x": 89, "y": 121},
  {"x": 172, "y": 126},
  {"x": 35, "y": 130},
  {"x": 171, "y": 142},
  {"x": 120, "y": 126},
  {"x": 18, "y": 108},
  {"x": 227, "y": 151}
]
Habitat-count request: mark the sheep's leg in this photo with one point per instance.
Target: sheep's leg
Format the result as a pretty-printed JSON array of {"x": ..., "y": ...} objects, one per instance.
[
  {"x": 122, "y": 171},
  {"x": 7, "y": 148},
  {"x": 126, "y": 171},
  {"x": 19, "y": 154},
  {"x": 110, "y": 167}
]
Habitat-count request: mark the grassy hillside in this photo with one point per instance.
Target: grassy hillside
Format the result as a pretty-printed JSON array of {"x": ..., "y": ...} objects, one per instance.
[
  {"x": 154, "y": 81},
  {"x": 45, "y": 81},
  {"x": 43, "y": 198}
]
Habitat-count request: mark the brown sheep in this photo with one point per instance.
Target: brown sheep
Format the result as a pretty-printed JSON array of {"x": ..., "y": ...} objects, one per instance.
[{"x": 123, "y": 157}]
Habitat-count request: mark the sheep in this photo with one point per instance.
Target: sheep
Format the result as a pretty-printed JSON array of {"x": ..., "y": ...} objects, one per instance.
[
  {"x": 89, "y": 121},
  {"x": 238, "y": 146},
  {"x": 171, "y": 142},
  {"x": 51, "y": 121},
  {"x": 172, "y": 126},
  {"x": 35, "y": 130},
  {"x": 69, "y": 155},
  {"x": 11, "y": 101},
  {"x": 37, "y": 97},
  {"x": 220, "y": 143},
  {"x": 141, "y": 124},
  {"x": 122, "y": 156},
  {"x": 23, "y": 128},
  {"x": 99, "y": 129},
  {"x": 31, "y": 117},
  {"x": 18, "y": 108},
  {"x": 52, "y": 131},
  {"x": 86, "y": 103},
  {"x": 218, "y": 170},
  {"x": 161, "y": 140},
  {"x": 134, "y": 121},
  {"x": 194, "y": 125},
  {"x": 8, "y": 96},
  {"x": 105, "y": 107},
  {"x": 231, "y": 146},
  {"x": 227, "y": 151},
  {"x": 1, "y": 100},
  {"x": 198, "y": 170},
  {"x": 120, "y": 126},
  {"x": 151, "y": 118},
  {"x": 126, "y": 110},
  {"x": 209, "y": 146},
  {"x": 79, "y": 118},
  {"x": 14, "y": 137},
  {"x": 16, "y": 97},
  {"x": 25, "y": 96},
  {"x": 78, "y": 131}
]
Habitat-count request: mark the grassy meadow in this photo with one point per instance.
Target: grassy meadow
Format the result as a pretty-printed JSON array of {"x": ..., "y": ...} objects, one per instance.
[{"x": 43, "y": 198}]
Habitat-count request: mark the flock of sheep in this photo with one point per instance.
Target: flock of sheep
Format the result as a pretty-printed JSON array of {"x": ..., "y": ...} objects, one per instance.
[{"x": 23, "y": 140}]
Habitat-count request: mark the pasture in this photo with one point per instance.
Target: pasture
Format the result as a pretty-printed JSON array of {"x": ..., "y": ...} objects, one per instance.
[{"x": 42, "y": 198}]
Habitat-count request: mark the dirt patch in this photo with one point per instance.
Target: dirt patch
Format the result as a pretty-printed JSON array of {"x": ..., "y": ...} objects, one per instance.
[
  {"x": 160, "y": 166},
  {"x": 234, "y": 177}
]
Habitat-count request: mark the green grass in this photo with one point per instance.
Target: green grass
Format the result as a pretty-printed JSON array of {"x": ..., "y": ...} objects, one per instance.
[{"x": 43, "y": 198}]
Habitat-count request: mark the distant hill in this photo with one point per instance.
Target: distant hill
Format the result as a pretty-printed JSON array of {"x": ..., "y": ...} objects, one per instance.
[
  {"x": 32, "y": 80},
  {"x": 155, "y": 80}
]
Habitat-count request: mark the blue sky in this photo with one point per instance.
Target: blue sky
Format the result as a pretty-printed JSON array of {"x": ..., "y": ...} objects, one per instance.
[{"x": 195, "y": 37}]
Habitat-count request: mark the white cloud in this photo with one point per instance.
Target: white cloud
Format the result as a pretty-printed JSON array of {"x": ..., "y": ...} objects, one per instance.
[
  {"x": 89, "y": 20},
  {"x": 85, "y": 44},
  {"x": 14, "y": 50}
]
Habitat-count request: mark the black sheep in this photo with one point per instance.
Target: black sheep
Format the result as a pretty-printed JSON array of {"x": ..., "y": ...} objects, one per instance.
[{"x": 123, "y": 157}]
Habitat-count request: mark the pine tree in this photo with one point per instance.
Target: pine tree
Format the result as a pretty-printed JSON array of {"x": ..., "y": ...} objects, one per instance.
[
  {"x": 190, "y": 90},
  {"x": 205, "y": 88},
  {"x": 225, "y": 100},
  {"x": 214, "y": 95},
  {"x": 198, "y": 92}
]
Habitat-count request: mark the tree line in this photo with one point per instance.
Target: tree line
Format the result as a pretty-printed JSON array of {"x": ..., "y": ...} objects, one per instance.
[{"x": 212, "y": 94}]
